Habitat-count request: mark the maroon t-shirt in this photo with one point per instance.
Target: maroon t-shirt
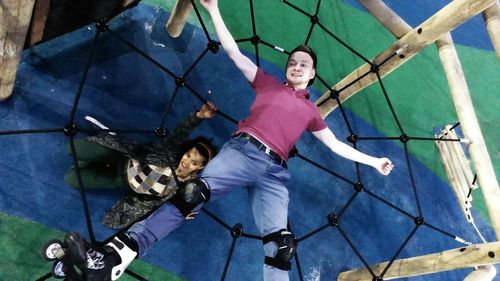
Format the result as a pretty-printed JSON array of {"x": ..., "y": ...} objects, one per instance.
[{"x": 279, "y": 115}]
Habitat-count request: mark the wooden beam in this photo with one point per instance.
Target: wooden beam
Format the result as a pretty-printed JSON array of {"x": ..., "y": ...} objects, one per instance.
[
  {"x": 40, "y": 13},
  {"x": 470, "y": 127},
  {"x": 452, "y": 15},
  {"x": 476, "y": 255},
  {"x": 15, "y": 19},
  {"x": 127, "y": 2},
  {"x": 387, "y": 17},
  {"x": 179, "y": 17},
  {"x": 491, "y": 17}
]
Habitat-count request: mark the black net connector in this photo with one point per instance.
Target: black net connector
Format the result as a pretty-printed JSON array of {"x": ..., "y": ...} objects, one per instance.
[
  {"x": 374, "y": 68},
  {"x": 70, "y": 130},
  {"x": 237, "y": 230},
  {"x": 180, "y": 81},
  {"x": 213, "y": 46},
  {"x": 419, "y": 221},
  {"x": 314, "y": 19},
  {"x": 377, "y": 278},
  {"x": 160, "y": 132},
  {"x": 102, "y": 25},
  {"x": 334, "y": 94},
  {"x": 333, "y": 220},
  {"x": 353, "y": 138},
  {"x": 359, "y": 187},
  {"x": 293, "y": 152},
  {"x": 255, "y": 39},
  {"x": 404, "y": 138}
]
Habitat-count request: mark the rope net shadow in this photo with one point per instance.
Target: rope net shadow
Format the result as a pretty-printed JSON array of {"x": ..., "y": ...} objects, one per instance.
[{"x": 332, "y": 220}]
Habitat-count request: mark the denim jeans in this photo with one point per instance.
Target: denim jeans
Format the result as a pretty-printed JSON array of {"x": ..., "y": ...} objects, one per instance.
[{"x": 238, "y": 164}]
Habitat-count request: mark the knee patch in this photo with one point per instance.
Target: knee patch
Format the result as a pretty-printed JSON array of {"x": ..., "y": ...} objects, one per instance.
[
  {"x": 190, "y": 195},
  {"x": 287, "y": 246}
]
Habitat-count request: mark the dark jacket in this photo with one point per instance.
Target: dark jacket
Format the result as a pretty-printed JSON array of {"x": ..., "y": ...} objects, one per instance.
[{"x": 133, "y": 206}]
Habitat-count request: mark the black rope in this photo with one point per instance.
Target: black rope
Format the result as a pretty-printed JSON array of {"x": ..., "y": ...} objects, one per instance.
[
  {"x": 25, "y": 132},
  {"x": 198, "y": 59},
  {"x": 399, "y": 250},
  {"x": 344, "y": 44},
  {"x": 203, "y": 26},
  {"x": 235, "y": 233},
  {"x": 83, "y": 193},
  {"x": 325, "y": 169},
  {"x": 356, "y": 251},
  {"x": 389, "y": 103},
  {"x": 412, "y": 179},
  {"x": 142, "y": 53},
  {"x": 84, "y": 78}
]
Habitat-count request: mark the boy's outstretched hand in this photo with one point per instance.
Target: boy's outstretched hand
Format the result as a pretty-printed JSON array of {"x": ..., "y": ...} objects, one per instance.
[
  {"x": 383, "y": 166},
  {"x": 207, "y": 110}
]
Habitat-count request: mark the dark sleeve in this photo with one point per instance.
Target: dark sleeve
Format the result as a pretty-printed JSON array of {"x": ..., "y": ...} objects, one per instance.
[{"x": 182, "y": 131}]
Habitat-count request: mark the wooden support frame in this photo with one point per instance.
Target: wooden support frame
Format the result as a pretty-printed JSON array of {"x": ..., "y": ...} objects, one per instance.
[
  {"x": 15, "y": 20},
  {"x": 465, "y": 111},
  {"x": 179, "y": 17},
  {"x": 470, "y": 126},
  {"x": 446, "y": 19},
  {"x": 466, "y": 257},
  {"x": 491, "y": 17}
]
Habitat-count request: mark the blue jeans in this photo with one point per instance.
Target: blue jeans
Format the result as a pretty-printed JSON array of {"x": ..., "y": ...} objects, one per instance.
[{"x": 238, "y": 164}]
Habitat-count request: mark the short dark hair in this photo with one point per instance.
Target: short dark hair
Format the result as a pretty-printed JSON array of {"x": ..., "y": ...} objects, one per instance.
[
  {"x": 204, "y": 146},
  {"x": 306, "y": 49}
]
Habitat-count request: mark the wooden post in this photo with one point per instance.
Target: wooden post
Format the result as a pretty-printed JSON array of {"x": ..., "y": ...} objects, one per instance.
[
  {"x": 40, "y": 13},
  {"x": 179, "y": 17},
  {"x": 387, "y": 17},
  {"x": 470, "y": 126},
  {"x": 14, "y": 23},
  {"x": 452, "y": 15},
  {"x": 491, "y": 17},
  {"x": 476, "y": 255},
  {"x": 127, "y": 2}
]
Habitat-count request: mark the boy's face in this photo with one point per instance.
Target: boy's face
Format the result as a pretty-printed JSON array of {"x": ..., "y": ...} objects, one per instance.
[{"x": 299, "y": 70}]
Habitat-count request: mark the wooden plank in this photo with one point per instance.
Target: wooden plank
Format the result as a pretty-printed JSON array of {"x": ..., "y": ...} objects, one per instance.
[
  {"x": 15, "y": 19},
  {"x": 470, "y": 127},
  {"x": 460, "y": 154},
  {"x": 40, "y": 13},
  {"x": 452, "y": 15},
  {"x": 387, "y": 17},
  {"x": 454, "y": 179},
  {"x": 491, "y": 17},
  {"x": 179, "y": 17},
  {"x": 476, "y": 255}
]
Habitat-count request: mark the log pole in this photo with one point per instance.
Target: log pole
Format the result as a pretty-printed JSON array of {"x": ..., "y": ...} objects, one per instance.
[
  {"x": 179, "y": 17},
  {"x": 15, "y": 17}
]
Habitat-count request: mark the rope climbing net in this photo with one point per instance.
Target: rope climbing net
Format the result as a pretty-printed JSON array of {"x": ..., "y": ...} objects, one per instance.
[{"x": 181, "y": 82}]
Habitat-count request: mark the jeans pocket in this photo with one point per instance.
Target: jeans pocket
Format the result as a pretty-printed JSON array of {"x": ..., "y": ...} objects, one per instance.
[
  {"x": 238, "y": 143},
  {"x": 278, "y": 172}
]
